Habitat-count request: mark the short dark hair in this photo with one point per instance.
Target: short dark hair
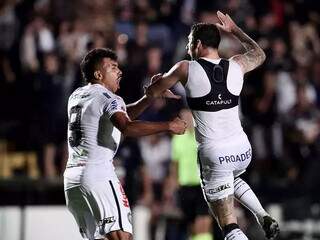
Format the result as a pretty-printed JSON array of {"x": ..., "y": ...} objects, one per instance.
[
  {"x": 207, "y": 33},
  {"x": 92, "y": 59}
]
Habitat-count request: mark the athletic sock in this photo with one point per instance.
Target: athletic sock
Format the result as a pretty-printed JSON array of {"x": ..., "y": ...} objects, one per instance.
[
  {"x": 233, "y": 232},
  {"x": 202, "y": 236},
  {"x": 244, "y": 194}
]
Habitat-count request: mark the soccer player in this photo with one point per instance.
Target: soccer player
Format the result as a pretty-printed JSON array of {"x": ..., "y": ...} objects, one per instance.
[
  {"x": 213, "y": 86},
  {"x": 97, "y": 117}
]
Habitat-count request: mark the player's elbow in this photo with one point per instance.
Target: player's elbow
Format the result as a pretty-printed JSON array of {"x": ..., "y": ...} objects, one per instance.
[
  {"x": 125, "y": 131},
  {"x": 128, "y": 131},
  {"x": 263, "y": 55}
]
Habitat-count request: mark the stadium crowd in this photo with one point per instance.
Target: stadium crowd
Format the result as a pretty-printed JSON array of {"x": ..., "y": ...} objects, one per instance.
[{"x": 43, "y": 41}]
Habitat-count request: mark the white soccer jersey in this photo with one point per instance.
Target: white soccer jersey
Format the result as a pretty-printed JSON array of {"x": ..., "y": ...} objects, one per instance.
[
  {"x": 92, "y": 138},
  {"x": 219, "y": 126},
  {"x": 212, "y": 92}
]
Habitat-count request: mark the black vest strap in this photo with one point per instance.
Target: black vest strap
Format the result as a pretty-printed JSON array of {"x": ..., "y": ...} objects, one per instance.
[{"x": 219, "y": 97}]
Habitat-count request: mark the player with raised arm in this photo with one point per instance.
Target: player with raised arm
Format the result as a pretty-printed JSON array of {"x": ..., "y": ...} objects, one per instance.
[
  {"x": 213, "y": 86},
  {"x": 97, "y": 117}
]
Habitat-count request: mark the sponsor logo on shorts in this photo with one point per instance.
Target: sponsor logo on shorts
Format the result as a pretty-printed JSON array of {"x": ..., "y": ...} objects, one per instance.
[
  {"x": 218, "y": 189},
  {"x": 235, "y": 158},
  {"x": 107, "y": 220}
]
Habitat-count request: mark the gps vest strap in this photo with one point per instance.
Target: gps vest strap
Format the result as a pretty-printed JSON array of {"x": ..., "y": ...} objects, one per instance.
[{"x": 219, "y": 97}]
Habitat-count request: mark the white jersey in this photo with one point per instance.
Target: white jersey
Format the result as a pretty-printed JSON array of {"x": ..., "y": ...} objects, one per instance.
[
  {"x": 215, "y": 127},
  {"x": 224, "y": 151},
  {"x": 92, "y": 138}
]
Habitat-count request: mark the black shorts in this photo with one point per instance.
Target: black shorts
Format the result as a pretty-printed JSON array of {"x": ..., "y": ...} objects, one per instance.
[{"x": 192, "y": 203}]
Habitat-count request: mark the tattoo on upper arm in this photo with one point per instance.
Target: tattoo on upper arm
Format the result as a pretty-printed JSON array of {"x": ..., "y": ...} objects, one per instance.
[
  {"x": 250, "y": 60},
  {"x": 254, "y": 55}
]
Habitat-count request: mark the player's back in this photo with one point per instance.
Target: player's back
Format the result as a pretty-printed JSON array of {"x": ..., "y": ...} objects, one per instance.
[
  {"x": 213, "y": 90},
  {"x": 92, "y": 138}
]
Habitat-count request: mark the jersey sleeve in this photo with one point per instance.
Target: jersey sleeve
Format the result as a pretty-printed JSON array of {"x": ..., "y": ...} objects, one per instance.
[{"x": 113, "y": 104}]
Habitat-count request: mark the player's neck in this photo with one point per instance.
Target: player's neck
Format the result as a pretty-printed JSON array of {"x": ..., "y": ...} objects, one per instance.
[{"x": 210, "y": 53}]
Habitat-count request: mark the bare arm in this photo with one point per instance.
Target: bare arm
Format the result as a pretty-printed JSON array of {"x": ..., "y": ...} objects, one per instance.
[
  {"x": 136, "y": 108},
  {"x": 141, "y": 128},
  {"x": 254, "y": 55},
  {"x": 179, "y": 72}
]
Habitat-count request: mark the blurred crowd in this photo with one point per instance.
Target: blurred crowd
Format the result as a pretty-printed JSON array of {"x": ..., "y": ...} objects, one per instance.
[{"x": 42, "y": 42}]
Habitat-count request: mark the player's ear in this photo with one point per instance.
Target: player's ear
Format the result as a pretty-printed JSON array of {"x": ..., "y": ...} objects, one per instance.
[
  {"x": 97, "y": 75},
  {"x": 198, "y": 43}
]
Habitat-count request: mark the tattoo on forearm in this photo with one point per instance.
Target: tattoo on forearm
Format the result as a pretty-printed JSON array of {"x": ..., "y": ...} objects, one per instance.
[{"x": 254, "y": 55}]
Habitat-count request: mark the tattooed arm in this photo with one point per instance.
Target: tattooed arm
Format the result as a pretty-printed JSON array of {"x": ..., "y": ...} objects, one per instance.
[{"x": 254, "y": 55}]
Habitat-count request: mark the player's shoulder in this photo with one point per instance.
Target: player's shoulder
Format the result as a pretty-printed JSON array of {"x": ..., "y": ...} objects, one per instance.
[
  {"x": 233, "y": 63},
  {"x": 76, "y": 93},
  {"x": 99, "y": 91},
  {"x": 107, "y": 97},
  {"x": 181, "y": 69},
  {"x": 183, "y": 64}
]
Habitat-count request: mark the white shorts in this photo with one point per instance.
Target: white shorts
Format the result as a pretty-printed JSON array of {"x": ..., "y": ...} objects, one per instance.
[
  {"x": 99, "y": 208},
  {"x": 219, "y": 165}
]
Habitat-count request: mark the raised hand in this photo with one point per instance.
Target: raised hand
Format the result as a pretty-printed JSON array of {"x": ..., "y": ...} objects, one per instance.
[
  {"x": 177, "y": 126},
  {"x": 254, "y": 55},
  {"x": 166, "y": 93},
  {"x": 155, "y": 78},
  {"x": 227, "y": 24}
]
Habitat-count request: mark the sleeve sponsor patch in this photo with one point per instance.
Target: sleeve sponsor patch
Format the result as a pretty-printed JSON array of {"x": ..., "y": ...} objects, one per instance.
[{"x": 114, "y": 105}]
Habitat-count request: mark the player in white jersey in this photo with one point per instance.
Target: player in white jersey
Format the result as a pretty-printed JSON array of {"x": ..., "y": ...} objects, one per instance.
[
  {"x": 97, "y": 117},
  {"x": 213, "y": 86}
]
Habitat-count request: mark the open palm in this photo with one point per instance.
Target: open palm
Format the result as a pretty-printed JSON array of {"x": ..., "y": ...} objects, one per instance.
[{"x": 227, "y": 24}]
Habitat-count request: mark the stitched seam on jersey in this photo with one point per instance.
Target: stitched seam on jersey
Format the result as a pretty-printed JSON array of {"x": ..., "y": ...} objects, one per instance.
[{"x": 118, "y": 205}]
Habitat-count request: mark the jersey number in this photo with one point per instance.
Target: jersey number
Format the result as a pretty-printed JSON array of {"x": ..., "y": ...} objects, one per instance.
[{"x": 75, "y": 126}]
